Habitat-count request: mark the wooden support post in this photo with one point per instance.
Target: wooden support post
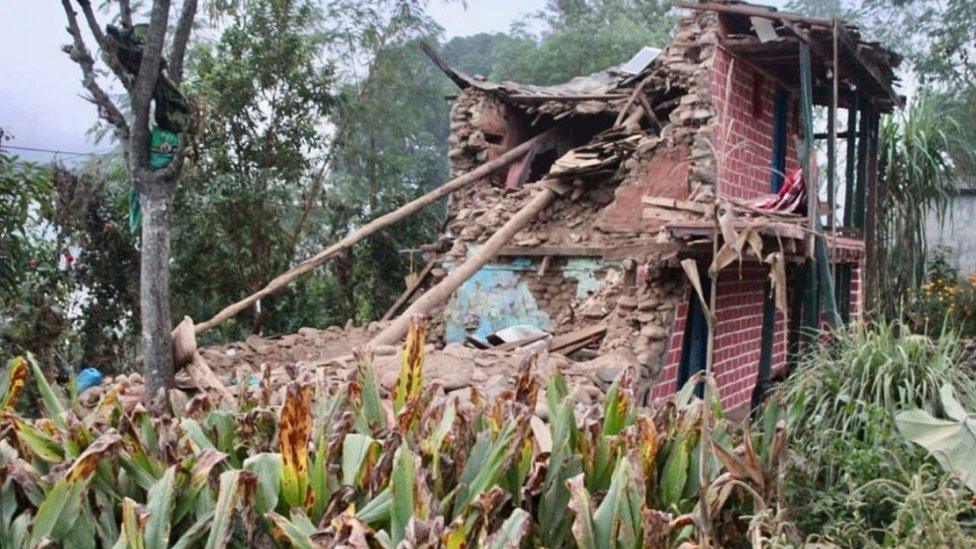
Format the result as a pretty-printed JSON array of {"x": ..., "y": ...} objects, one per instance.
[
  {"x": 373, "y": 226},
  {"x": 862, "y": 167},
  {"x": 434, "y": 296},
  {"x": 871, "y": 224},
  {"x": 832, "y": 140},
  {"x": 821, "y": 288},
  {"x": 851, "y": 164}
]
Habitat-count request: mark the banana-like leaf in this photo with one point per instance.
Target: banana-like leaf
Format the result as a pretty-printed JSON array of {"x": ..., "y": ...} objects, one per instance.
[
  {"x": 564, "y": 464},
  {"x": 159, "y": 503},
  {"x": 62, "y": 504},
  {"x": 579, "y": 504},
  {"x": 132, "y": 535},
  {"x": 401, "y": 490},
  {"x": 409, "y": 381},
  {"x": 12, "y": 383},
  {"x": 511, "y": 533},
  {"x": 952, "y": 441},
  {"x": 55, "y": 410},
  {"x": 294, "y": 532},
  {"x": 195, "y": 532},
  {"x": 267, "y": 468},
  {"x": 197, "y": 437},
  {"x": 204, "y": 464},
  {"x": 675, "y": 473},
  {"x": 356, "y": 450},
  {"x": 235, "y": 486},
  {"x": 373, "y": 412},
  {"x": 487, "y": 471},
  {"x": 377, "y": 509},
  {"x": 294, "y": 434},
  {"x": 37, "y": 441},
  {"x": 610, "y": 516}
]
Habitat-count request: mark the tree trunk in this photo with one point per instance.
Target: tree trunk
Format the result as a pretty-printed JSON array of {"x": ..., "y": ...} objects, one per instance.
[{"x": 156, "y": 201}]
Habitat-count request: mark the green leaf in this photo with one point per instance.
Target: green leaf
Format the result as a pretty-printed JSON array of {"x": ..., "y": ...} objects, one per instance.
[
  {"x": 225, "y": 509},
  {"x": 951, "y": 441},
  {"x": 295, "y": 533},
  {"x": 267, "y": 467},
  {"x": 675, "y": 473},
  {"x": 194, "y": 533},
  {"x": 373, "y": 412},
  {"x": 511, "y": 533},
  {"x": 55, "y": 410},
  {"x": 401, "y": 490},
  {"x": 355, "y": 449},
  {"x": 159, "y": 503},
  {"x": 377, "y": 509}
]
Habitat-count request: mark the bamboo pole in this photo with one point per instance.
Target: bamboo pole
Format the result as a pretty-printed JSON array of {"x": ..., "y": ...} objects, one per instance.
[
  {"x": 434, "y": 296},
  {"x": 373, "y": 226}
]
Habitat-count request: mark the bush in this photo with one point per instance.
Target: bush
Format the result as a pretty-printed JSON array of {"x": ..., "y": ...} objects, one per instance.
[
  {"x": 944, "y": 299},
  {"x": 844, "y": 397}
]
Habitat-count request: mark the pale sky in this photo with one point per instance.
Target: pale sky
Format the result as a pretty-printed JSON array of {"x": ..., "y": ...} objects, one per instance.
[{"x": 40, "y": 103}]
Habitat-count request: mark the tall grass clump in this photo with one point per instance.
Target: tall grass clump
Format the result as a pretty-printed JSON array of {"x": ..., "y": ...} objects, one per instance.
[
  {"x": 843, "y": 398},
  {"x": 853, "y": 386}
]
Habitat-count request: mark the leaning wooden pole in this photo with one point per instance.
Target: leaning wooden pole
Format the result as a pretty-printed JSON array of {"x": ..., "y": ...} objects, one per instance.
[
  {"x": 434, "y": 296},
  {"x": 373, "y": 226}
]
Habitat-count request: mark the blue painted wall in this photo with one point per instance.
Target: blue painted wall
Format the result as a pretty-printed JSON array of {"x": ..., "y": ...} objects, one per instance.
[{"x": 497, "y": 296}]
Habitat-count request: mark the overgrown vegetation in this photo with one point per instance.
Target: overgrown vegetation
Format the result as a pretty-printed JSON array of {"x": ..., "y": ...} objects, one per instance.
[
  {"x": 319, "y": 467},
  {"x": 857, "y": 481}
]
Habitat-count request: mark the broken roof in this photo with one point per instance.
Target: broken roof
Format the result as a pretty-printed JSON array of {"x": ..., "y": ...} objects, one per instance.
[{"x": 761, "y": 35}]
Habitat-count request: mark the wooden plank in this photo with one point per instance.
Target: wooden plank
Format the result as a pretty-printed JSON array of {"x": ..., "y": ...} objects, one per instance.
[
  {"x": 564, "y": 341},
  {"x": 677, "y": 204},
  {"x": 407, "y": 293},
  {"x": 662, "y": 214},
  {"x": 534, "y": 98},
  {"x": 543, "y": 250}
]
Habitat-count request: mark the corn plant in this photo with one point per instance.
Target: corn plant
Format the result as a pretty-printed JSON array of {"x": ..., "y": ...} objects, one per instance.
[{"x": 353, "y": 466}]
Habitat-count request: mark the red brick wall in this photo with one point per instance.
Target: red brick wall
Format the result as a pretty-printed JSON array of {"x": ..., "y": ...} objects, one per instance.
[
  {"x": 744, "y": 133},
  {"x": 738, "y": 334},
  {"x": 743, "y": 143}
]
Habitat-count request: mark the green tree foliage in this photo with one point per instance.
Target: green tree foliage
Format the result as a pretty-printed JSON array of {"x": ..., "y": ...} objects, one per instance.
[
  {"x": 582, "y": 37},
  {"x": 246, "y": 199},
  {"x": 32, "y": 296},
  {"x": 319, "y": 116}
]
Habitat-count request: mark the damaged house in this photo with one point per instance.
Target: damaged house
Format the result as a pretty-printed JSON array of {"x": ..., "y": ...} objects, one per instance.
[
  {"x": 645, "y": 165},
  {"x": 655, "y": 216}
]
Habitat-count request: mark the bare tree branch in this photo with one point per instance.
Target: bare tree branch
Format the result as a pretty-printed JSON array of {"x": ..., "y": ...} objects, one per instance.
[
  {"x": 142, "y": 91},
  {"x": 125, "y": 13},
  {"x": 105, "y": 45},
  {"x": 79, "y": 54},
  {"x": 180, "y": 38}
]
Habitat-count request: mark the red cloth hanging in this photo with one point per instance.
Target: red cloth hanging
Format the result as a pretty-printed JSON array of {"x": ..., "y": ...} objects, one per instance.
[{"x": 792, "y": 196}]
